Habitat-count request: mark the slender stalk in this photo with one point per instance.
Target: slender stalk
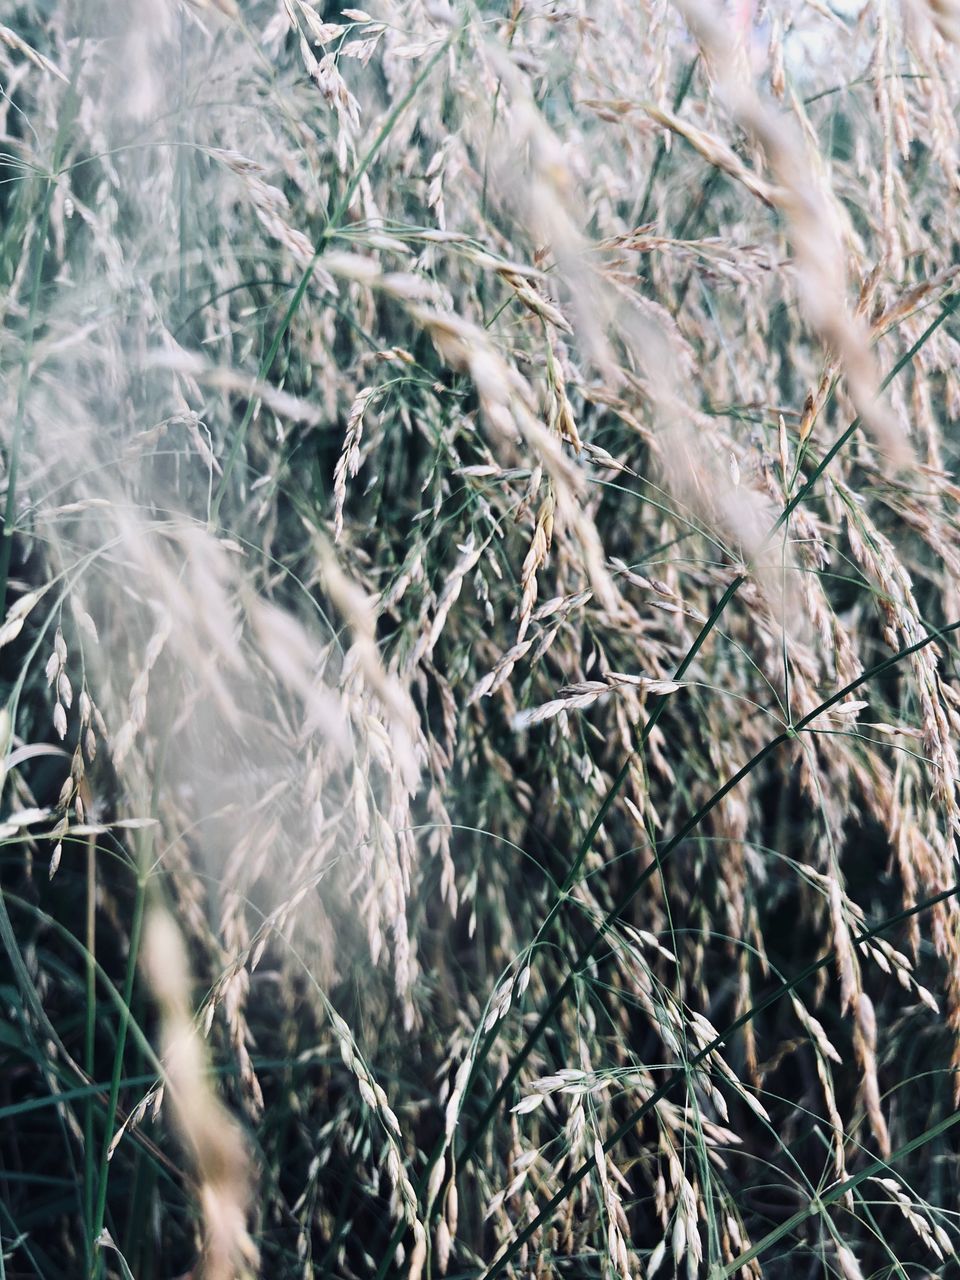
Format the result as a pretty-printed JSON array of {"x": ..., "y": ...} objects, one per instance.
[
  {"x": 533, "y": 1037},
  {"x": 470, "y": 1146},
  {"x": 89, "y": 1039},
  {"x": 586, "y": 954},
  {"x": 682, "y": 1073},
  {"x": 570, "y": 878},
  {"x": 111, "y": 994},
  {"x": 136, "y": 931},
  {"x": 544, "y": 1020},
  {"x": 837, "y": 1192}
]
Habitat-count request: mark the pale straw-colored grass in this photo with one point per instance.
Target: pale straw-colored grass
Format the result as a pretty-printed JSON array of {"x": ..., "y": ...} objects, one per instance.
[{"x": 484, "y": 564}]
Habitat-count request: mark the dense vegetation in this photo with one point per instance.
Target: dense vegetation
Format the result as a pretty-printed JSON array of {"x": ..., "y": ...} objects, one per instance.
[{"x": 481, "y": 593}]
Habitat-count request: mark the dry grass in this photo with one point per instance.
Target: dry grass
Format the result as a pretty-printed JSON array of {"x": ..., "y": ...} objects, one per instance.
[{"x": 481, "y": 554}]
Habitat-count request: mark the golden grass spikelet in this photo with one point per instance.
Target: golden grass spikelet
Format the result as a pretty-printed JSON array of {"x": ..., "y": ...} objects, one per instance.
[
  {"x": 19, "y": 45},
  {"x": 221, "y": 1164},
  {"x": 432, "y": 447},
  {"x": 816, "y": 233},
  {"x": 945, "y": 15}
]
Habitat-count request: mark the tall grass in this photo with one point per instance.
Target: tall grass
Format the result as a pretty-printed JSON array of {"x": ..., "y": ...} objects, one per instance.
[{"x": 480, "y": 568}]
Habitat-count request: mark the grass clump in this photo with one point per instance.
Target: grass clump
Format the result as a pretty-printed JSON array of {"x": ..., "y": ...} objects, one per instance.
[{"x": 479, "y": 563}]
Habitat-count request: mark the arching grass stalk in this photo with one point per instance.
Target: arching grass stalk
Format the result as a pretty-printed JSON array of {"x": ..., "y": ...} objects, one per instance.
[
  {"x": 534, "y": 1036},
  {"x": 89, "y": 1037},
  {"x": 123, "y": 1023},
  {"x": 837, "y": 1192},
  {"x": 586, "y": 954},
  {"x": 470, "y": 1146},
  {"x": 111, "y": 994},
  {"x": 700, "y": 1057},
  {"x": 948, "y": 307}
]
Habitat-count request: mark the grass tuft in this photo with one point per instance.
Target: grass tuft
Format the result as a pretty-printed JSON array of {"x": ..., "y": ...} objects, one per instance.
[{"x": 479, "y": 577}]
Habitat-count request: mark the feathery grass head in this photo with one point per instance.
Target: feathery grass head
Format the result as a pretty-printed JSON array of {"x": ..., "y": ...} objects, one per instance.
[{"x": 481, "y": 553}]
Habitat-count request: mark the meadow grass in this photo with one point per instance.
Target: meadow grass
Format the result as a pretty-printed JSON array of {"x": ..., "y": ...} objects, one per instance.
[{"x": 480, "y": 581}]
